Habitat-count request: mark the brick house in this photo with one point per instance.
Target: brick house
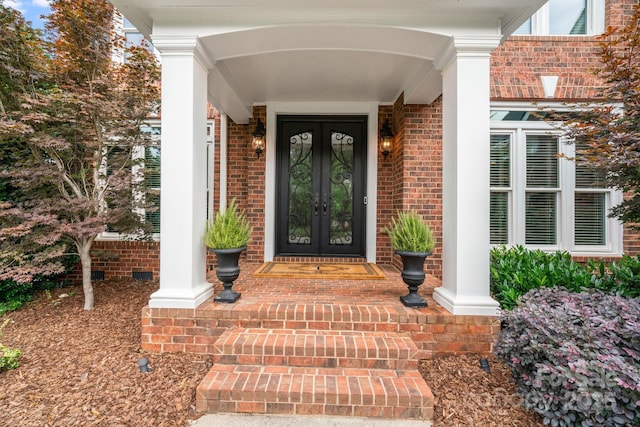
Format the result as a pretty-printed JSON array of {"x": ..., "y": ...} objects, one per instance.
[
  {"x": 458, "y": 95},
  {"x": 457, "y": 84}
]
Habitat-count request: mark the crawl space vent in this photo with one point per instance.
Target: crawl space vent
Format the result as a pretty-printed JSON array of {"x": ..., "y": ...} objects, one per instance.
[{"x": 142, "y": 275}]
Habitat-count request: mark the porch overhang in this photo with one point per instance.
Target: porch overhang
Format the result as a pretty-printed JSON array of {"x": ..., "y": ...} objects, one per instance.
[
  {"x": 325, "y": 51},
  {"x": 317, "y": 53}
]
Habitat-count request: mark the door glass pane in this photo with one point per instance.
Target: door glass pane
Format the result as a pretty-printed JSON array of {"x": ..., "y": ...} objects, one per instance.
[
  {"x": 341, "y": 190},
  {"x": 300, "y": 190},
  {"x": 499, "y": 218},
  {"x": 540, "y": 218},
  {"x": 590, "y": 219}
]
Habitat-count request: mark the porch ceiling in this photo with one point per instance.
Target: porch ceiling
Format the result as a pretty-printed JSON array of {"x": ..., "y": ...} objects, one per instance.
[{"x": 323, "y": 50}]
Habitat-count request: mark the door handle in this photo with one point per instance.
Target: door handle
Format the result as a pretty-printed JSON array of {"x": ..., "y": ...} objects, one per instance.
[
  {"x": 316, "y": 203},
  {"x": 324, "y": 204}
]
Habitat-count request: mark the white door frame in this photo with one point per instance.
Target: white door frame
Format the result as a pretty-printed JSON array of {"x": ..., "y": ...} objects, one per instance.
[{"x": 369, "y": 109}]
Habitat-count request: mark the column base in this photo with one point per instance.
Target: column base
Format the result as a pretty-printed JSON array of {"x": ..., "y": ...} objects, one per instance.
[
  {"x": 181, "y": 298},
  {"x": 474, "y": 305}
]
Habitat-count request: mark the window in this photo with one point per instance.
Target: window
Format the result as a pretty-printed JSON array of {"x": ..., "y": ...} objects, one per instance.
[
  {"x": 152, "y": 185},
  {"x": 590, "y": 206},
  {"x": 133, "y": 37},
  {"x": 500, "y": 187},
  {"x": 146, "y": 162},
  {"x": 566, "y": 17},
  {"x": 210, "y": 161},
  {"x": 540, "y": 198}
]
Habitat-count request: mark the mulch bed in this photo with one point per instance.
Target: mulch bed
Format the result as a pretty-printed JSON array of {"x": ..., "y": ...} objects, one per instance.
[{"x": 81, "y": 369}]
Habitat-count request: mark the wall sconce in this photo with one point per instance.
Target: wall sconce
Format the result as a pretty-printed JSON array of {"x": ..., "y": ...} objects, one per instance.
[
  {"x": 386, "y": 139},
  {"x": 258, "y": 142}
]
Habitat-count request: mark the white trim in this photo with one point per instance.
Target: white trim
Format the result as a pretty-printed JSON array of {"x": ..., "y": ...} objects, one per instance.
[
  {"x": 190, "y": 297},
  {"x": 223, "y": 161},
  {"x": 465, "y": 304},
  {"x": 363, "y": 108},
  {"x": 211, "y": 167}
]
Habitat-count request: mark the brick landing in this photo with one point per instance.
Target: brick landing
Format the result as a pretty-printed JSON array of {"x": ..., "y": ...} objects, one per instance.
[{"x": 316, "y": 304}]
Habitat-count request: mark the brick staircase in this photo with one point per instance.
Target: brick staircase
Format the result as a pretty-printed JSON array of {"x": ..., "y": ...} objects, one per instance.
[{"x": 321, "y": 372}]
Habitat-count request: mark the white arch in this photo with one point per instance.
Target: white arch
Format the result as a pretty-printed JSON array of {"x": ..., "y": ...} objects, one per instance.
[{"x": 363, "y": 38}]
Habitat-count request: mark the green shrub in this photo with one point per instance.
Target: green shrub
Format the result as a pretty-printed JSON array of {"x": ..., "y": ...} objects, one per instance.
[
  {"x": 575, "y": 356},
  {"x": 229, "y": 229},
  {"x": 9, "y": 357},
  {"x": 410, "y": 233},
  {"x": 14, "y": 295},
  {"x": 516, "y": 270},
  {"x": 621, "y": 277}
]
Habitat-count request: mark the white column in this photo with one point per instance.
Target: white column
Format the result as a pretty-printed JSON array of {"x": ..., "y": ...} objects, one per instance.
[
  {"x": 183, "y": 175},
  {"x": 465, "y": 216}
]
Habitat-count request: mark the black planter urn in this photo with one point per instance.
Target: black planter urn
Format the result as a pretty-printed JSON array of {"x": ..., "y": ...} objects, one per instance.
[
  {"x": 413, "y": 275},
  {"x": 228, "y": 271}
]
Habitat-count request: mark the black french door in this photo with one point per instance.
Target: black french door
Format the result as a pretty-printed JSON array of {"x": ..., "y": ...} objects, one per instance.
[{"x": 321, "y": 185}]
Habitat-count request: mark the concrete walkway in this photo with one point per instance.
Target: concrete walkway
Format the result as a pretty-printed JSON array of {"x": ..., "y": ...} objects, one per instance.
[{"x": 251, "y": 420}]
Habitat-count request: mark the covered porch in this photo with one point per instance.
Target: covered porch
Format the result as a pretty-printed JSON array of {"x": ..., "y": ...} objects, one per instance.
[{"x": 382, "y": 60}]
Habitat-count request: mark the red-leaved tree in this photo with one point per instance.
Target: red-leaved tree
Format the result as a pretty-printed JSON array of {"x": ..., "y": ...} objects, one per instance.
[
  {"x": 69, "y": 130},
  {"x": 609, "y": 134}
]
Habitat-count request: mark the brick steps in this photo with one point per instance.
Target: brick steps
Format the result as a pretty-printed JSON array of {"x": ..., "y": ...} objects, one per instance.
[
  {"x": 322, "y": 372},
  {"x": 329, "y": 349},
  {"x": 325, "y": 391}
]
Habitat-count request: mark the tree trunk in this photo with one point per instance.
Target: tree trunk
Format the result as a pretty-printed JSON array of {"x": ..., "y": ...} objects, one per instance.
[{"x": 84, "y": 250}]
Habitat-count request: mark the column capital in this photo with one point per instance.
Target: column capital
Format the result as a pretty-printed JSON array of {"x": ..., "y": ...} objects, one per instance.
[
  {"x": 181, "y": 46},
  {"x": 467, "y": 46}
]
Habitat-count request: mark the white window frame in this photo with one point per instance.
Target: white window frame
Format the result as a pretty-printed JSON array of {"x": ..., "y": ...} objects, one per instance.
[
  {"x": 595, "y": 21},
  {"x": 566, "y": 169},
  {"x": 138, "y": 174},
  {"x": 211, "y": 155}
]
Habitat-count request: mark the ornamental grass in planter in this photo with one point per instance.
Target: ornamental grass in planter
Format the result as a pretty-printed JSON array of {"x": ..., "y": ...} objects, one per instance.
[
  {"x": 412, "y": 239},
  {"x": 227, "y": 236}
]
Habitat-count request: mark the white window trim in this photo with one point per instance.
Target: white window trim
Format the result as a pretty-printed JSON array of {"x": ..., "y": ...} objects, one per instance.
[
  {"x": 595, "y": 20},
  {"x": 566, "y": 219},
  {"x": 211, "y": 155}
]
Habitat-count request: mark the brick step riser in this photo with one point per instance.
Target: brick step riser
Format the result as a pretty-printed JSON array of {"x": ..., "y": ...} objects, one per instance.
[
  {"x": 364, "y": 326},
  {"x": 282, "y": 390},
  {"x": 324, "y": 362}
]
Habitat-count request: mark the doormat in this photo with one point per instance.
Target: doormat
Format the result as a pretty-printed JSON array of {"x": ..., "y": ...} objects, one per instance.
[{"x": 298, "y": 270}]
